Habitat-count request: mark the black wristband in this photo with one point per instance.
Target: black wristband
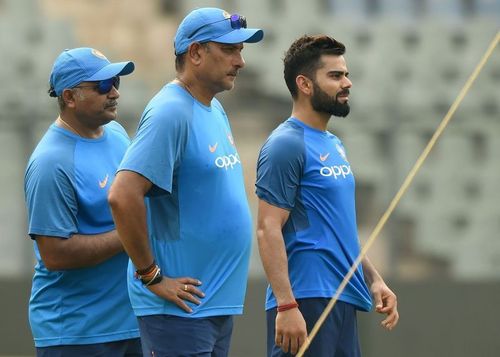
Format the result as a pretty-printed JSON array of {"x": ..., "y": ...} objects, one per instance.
[
  {"x": 157, "y": 277},
  {"x": 155, "y": 280}
]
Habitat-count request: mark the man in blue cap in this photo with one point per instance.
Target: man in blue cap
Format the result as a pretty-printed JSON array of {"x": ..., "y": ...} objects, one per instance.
[
  {"x": 179, "y": 199},
  {"x": 79, "y": 304}
]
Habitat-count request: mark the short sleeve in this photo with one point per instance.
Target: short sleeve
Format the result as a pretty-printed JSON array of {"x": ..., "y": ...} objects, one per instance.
[
  {"x": 279, "y": 169},
  {"x": 117, "y": 128},
  {"x": 159, "y": 144},
  {"x": 50, "y": 198}
]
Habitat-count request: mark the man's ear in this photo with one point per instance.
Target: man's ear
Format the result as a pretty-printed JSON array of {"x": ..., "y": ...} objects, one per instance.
[
  {"x": 194, "y": 53},
  {"x": 68, "y": 96},
  {"x": 304, "y": 85}
]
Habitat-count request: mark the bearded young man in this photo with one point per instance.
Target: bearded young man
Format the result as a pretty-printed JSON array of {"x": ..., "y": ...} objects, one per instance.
[{"x": 307, "y": 230}]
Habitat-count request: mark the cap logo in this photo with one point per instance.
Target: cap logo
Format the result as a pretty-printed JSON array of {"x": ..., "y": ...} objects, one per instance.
[
  {"x": 98, "y": 54},
  {"x": 226, "y": 14}
]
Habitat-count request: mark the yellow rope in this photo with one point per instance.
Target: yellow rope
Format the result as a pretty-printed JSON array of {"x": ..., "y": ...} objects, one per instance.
[{"x": 400, "y": 193}]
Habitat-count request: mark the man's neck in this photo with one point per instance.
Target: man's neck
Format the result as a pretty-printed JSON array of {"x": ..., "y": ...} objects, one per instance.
[
  {"x": 310, "y": 117},
  {"x": 72, "y": 124},
  {"x": 193, "y": 87}
]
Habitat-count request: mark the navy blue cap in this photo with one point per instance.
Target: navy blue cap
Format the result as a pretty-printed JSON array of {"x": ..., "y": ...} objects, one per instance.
[
  {"x": 78, "y": 65},
  {"x": 212, "y": 24}
]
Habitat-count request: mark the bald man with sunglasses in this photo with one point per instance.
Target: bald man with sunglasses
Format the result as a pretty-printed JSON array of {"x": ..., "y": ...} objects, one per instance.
[{"x": 79, "y": 304}]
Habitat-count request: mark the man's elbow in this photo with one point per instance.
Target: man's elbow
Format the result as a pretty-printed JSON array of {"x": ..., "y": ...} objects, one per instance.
[
  {"x": 261, "y": 234},
  {"x": 115, "y": 199},
  {"x": 52, "y": 264}
]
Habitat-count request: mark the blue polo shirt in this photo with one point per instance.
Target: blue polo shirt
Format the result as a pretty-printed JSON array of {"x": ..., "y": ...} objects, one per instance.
[
  {"x": 66, "y": 186},
  {"x": 199, "y": 222},
  {"x": 305, "y": 171}
]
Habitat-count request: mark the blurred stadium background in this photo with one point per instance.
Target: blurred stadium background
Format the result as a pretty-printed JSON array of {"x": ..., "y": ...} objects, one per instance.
[{"x": 408, "y": 60}]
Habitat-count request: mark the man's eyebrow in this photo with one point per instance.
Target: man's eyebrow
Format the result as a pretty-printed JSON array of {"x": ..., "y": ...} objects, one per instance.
[{"x": 336, "y": 71}]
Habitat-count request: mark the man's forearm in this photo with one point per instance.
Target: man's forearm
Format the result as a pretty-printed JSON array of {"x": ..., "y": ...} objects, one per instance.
[
  {"x": 274, "y": 259},
  {"x": 126, "y": 199},
  {"x": 371, "y": 274},
  {"x": 78, "y": 251},
  {"x": 130, "y": 219}
]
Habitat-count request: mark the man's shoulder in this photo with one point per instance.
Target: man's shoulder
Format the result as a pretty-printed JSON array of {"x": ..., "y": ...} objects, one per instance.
[
  {"x": 217, "y": 105},
  {"x": 117, "y": 129},
  {"x": 54, "y": 148},
  {"x": 169, "y": 102},
  {"x": 286, "y": 143},
  {"x": 49, "y": 163},
  {"x": 287, "y": 134}
]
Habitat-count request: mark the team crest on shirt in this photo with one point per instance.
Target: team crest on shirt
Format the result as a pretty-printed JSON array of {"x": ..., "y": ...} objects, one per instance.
[
  {"x": 99, "y": 54},
  {"x": 341, "y": 151}
]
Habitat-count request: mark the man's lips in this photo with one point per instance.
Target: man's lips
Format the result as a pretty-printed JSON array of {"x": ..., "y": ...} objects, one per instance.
[{"x": 343, "y": 95}]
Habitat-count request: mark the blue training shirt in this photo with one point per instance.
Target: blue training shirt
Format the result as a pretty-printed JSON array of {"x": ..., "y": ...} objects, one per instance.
[
  {"x": 199, "y": 222},
  {"x": 66, "y": 186},
  {"x": 305, "y": 171}
]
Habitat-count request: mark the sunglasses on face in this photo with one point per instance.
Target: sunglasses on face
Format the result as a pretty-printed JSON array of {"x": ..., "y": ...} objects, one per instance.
[
  {"x": 237, "y": 22},
  {"x": 104, "y": 86}
]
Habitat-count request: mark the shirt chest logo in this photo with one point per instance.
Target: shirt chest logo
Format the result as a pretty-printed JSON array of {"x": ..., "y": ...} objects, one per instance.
[
  {"x": 335, "y": 171},
  {"x": 212, "y": 148},
  {"x": 227, "y": 161},
  {"x": 104, "y": 182}
]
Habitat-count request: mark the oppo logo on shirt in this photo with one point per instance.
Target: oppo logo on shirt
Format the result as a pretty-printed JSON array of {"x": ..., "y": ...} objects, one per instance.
[
  {"x": 336, "y": 171},
  {"x": 227, "y": 161}
]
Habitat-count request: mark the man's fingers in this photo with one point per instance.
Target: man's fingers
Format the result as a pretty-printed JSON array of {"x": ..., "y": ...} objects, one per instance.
[
  {"x": 285, "y": 346},
  {"x": 377, "y": 299},
  {"x": 184, "y": 295},
  {"x": 191, "y": 289},
  {"x": 391, "y": 321},
  {"x": 188, "y": 280},
  {"x": 294, "y": 345},
  {"x": 182, "y": 305},
  {"x": 278, "y": 339}
]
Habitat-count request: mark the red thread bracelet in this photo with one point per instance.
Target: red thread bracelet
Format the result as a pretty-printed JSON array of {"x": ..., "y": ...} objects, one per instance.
[{"x": 286, "y": 307}]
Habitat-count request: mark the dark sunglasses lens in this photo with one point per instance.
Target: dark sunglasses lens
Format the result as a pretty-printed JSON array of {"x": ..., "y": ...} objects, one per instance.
[
  {"x": 238, "y": 21},
  {"x": 106, "y": 85}
]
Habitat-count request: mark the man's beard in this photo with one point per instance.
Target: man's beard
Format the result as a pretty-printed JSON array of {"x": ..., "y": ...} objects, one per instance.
[{"x": 323, "y": 103}]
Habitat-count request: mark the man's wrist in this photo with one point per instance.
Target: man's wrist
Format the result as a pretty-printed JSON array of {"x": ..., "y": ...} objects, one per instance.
[
  {"x": 288, "y": 306},
  {"x": 147, "y": 270},
  {"x": 150, "y": 275}
]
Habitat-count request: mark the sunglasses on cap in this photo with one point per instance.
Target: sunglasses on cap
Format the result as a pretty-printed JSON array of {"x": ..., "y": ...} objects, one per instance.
[
  {"x": 104, "y": 86},
  {"x": 237, "y": 22}
]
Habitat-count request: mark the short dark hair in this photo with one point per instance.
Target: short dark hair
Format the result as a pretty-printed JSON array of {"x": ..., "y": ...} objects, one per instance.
[
  {"x": 303, "y": 57},
  {"x": 61, "y": 102},
  {"x": 180, "y": 60}
]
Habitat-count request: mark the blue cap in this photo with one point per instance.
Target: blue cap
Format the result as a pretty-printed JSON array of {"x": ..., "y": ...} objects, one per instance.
[
  {"x": 212, "y": 24},
  {"x": 78, "y": 65}
]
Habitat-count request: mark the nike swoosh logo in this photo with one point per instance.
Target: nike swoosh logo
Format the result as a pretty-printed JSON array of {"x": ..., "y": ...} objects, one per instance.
[
  {"x": 323, "y": 157},
  {"x": 212, "y": 148},
  {"x": 104, "y": 182},
  {"x": 230, "y": 138}
]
